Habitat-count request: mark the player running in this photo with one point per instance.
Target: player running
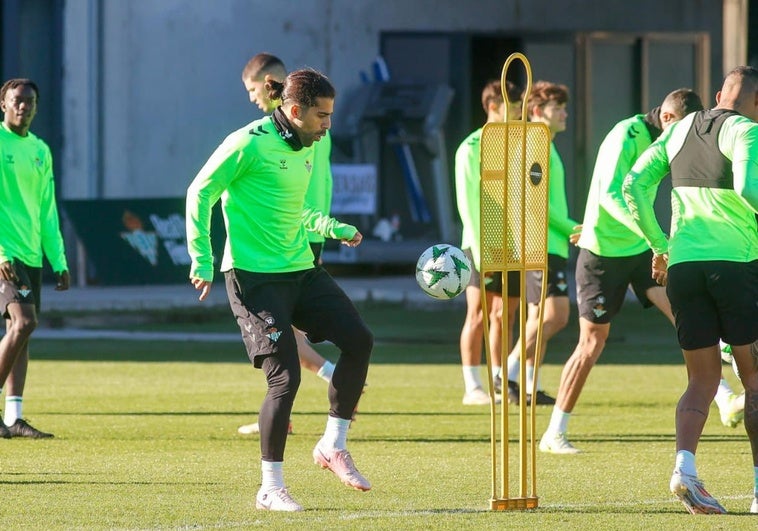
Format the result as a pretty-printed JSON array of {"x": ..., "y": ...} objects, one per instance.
[
  {"x": 710, "y": 262},
  {"x": 613, "y": 255}
]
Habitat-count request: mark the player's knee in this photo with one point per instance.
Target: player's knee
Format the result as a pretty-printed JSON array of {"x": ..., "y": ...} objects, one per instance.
[
  {"x": 591, "y": 345},
  {"x": 556, "y": 322},
  {"x": 24, "y": 326},
  {"x": 474, "y": 320}
]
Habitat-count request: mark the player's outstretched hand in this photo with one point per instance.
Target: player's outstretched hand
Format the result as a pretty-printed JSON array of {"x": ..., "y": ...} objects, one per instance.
[
  {"x": 660, "y": 268},
  {"x": 7, "y": 272},
  {"x": 62, "y": 281},
  {"x": 574, "y": 237},
  {"x": 203, "y": 286},
  {"x": 355, "y": 241}
]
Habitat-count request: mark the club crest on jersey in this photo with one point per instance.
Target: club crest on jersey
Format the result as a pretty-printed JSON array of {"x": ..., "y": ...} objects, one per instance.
[
  {"x": 283, "y": 164},
  {"x": 308, "y": 166},
  {"x": 38, "y": 162},
  {"x": 599, "y": 308}
]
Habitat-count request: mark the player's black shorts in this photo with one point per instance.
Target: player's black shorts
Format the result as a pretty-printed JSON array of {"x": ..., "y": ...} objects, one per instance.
[
  {"x": 28, "y": 289},
  {"x": 557, "y": 280},
  {"x": 714, "y": 300},
  {"x": 494, "y": 282},
  {"x": 602, "y": 281},
  {"x": 267, "y": 305}
]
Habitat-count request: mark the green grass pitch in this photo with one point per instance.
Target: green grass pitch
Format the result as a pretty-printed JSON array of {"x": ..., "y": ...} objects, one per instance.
[{"x": 146, "y": 437}]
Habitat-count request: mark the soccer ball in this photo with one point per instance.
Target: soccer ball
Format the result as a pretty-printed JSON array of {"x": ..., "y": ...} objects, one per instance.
[{"x": 443, "y": 271}]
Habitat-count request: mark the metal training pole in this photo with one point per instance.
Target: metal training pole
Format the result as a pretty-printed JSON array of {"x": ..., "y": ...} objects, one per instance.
[{"x": 515, "y": 161}]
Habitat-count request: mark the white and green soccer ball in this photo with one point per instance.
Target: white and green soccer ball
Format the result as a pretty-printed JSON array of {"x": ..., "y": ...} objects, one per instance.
[{"x": 443, "y": 271}]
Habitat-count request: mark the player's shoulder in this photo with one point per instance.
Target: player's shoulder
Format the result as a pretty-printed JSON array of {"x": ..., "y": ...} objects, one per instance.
[
  {"x": 472, "y": 140},
  {"x": 36, "y": 143},
  {"x": 256, "y": 132},
  {"x": 741, "y": 123},
  {"x": 632, "y": 129}
]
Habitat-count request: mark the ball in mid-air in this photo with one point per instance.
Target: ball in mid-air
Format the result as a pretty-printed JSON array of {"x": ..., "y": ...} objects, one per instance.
[{"x": 443, "y": 271}]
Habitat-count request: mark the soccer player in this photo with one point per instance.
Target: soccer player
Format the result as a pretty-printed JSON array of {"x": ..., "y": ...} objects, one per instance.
[
  {"x": 318, "y": 196},
  {"x": 612, "y": 255},
  {"x": 709, "y": 263},
  {"x": 467, "y": 170},
  {"x": 30, "y": 228},
  {"x": 261, "y": 173},
  {"x": 547, "y": 104}
]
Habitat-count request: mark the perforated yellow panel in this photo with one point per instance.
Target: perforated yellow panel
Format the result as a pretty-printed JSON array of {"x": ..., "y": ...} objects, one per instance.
[{"x": 515, "y": 160}]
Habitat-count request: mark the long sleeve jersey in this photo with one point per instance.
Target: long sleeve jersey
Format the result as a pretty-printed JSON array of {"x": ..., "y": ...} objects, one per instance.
[{"x": 262, "y": 183}]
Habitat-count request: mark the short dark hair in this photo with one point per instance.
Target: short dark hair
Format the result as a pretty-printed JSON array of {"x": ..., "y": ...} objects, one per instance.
[
  {"x": 18, "y": 82},
  {"x": 262, "y": 64},
  {"x": 493, "y": 91},
  {"x": 683, "y": 101},
  {"x": 745, "y": 75},
  {"x": 302, "y": 87},
  {"x": 544, "y": 92}
]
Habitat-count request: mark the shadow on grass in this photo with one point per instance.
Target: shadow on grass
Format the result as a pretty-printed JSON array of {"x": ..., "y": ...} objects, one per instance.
[{"x": 402, "y": 336}]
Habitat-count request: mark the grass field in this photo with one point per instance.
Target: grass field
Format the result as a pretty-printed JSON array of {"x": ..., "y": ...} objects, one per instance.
[{"x": 146, "y": 437}]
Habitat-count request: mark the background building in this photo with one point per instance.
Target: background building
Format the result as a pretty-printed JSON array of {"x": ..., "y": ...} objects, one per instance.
[{"x": 135, "y": 94}]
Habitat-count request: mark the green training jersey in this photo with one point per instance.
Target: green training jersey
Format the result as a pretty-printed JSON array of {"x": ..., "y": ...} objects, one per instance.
[
  {"x": 467, "y": 191},
  {"x": 707, "y": 223},
  {"x": 261, "y": 182},
  {"x": 28, "y": 212},
  {"x": 608, "y": 228},
  {"x": 319, "y": 194},
  {"x": 560, "y": 225}
]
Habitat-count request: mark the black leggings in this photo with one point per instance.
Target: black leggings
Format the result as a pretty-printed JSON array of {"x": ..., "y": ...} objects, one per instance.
[{"x": 266, "y": 307}]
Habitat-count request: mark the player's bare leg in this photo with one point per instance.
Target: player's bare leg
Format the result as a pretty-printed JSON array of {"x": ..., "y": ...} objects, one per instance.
[
  {"x": 555, "y": 319},
  {"x": 703, "y": 375},
  {"x": 592, "y": 339},
  {"x": 22, "y": 322},
  {"x": 472, "y": 334},
  {"x": 731, "y": 406}
]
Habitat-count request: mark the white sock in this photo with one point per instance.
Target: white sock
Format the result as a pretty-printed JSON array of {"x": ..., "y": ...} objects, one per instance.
[
  {"x": 471, "y": 377},
  {"x": 326, "y": 371},
  {"x": 685, "y": 463},
  {"x": 496, "y": 370},
  {"x": 513, "y": 367},
  {"x": 272, "y": 476},
  {"x": 558, "y": 421},
  {"x": 723, "y": 395},
  {"x": 12, "y": 409},
  {"x": 335, "y": 434},
  {"x": 529, "y": 378}
]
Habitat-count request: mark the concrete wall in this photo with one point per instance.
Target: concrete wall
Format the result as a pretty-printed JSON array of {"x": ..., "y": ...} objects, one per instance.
[{"x": 151, "y": 87}]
